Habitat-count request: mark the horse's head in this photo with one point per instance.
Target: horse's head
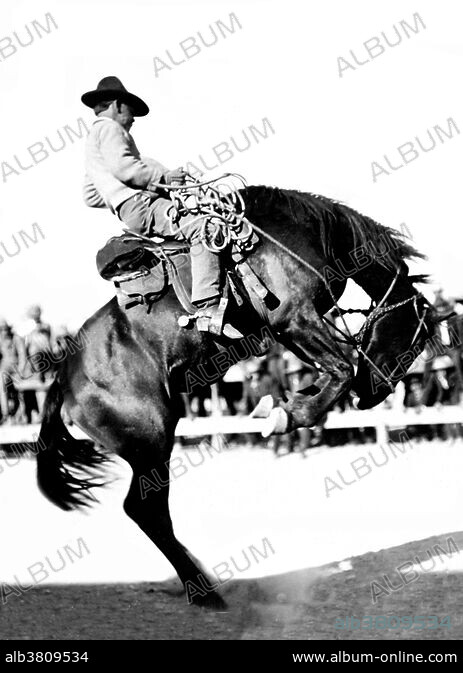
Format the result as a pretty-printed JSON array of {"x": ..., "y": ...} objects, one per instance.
[{"x": 392, "y": 338}]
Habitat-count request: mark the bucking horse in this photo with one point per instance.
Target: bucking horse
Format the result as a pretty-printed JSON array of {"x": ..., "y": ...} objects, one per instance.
[{"x": 124, "y": 387}]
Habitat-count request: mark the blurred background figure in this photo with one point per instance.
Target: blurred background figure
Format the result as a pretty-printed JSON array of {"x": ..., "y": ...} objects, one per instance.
[
  {"x": 449, "y": 335},
  {"x": 40, "y": 364},
  {"x": 442, "y": 304},
  {"x": 258, "y": 382},
  {"x": 12, "y": 363},
  {"x": 38, "y": 336},
  {"x": 60, "y": 341},
  {"x": 231, "y": 388},
  {"x": 414, "y": 396}
]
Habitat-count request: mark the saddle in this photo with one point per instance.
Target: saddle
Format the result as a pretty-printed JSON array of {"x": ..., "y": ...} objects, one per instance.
[{"x": 142, "y": 269}]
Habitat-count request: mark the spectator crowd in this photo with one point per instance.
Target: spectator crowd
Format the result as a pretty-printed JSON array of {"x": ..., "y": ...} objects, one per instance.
[{"x": 30, "y": 355}]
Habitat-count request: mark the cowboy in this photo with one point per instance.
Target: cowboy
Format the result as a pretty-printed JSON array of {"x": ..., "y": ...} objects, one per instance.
[{"x": 119, "y": 178}]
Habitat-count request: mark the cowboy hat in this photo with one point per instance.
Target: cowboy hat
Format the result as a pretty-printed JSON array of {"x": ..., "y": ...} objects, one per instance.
[{"x": 112, "y": 88}]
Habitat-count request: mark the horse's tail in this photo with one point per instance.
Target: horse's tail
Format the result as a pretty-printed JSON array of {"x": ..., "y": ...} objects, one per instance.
[{"x": 58, "y": 452}]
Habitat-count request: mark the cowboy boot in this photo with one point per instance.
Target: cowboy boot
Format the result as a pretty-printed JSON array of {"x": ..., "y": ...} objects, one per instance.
[{"x": 206, "y": 293}]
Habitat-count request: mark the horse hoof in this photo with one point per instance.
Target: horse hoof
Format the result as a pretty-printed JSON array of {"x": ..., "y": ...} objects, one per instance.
[
  {"x": 211, "y": 601},
  {"x": 277, "y": 423},
  {"x": 263, "y": 408}
]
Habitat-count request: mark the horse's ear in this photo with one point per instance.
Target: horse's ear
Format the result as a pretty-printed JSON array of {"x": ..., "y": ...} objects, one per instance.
[{"x": 422, "y": 278}]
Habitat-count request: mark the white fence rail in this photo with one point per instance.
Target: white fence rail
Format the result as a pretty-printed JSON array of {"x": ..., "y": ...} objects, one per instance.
[{"x": 380, "y": 419}]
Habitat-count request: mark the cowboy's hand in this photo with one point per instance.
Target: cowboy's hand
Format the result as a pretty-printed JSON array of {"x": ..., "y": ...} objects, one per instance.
[{"x": 178, "y": 175}]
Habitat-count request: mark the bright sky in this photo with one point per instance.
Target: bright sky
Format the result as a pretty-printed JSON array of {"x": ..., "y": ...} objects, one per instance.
[{"x": 281, "y": 65}]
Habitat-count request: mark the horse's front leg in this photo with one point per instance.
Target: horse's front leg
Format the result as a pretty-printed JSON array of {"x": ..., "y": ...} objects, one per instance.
[
  {"x": 312, "y": 342},
  {"x": 306, "y": 409}
]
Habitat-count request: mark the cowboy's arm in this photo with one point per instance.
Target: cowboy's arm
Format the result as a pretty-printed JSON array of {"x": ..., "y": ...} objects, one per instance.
[
  {"x": 160, "y": 174},
  {"x": 157, "y": 167},
  {"x": 92, "y": 196},
  {"x": 119, "y": 157}
]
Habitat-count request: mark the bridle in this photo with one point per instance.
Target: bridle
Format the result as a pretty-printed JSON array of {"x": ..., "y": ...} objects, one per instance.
[{"x": 374, "y": 313}]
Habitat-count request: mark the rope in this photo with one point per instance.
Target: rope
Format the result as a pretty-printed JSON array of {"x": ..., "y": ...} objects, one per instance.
[{"x": 217, "y": 205}]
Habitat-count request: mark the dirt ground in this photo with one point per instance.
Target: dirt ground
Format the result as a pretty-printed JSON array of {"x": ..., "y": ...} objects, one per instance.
[{"x": 297, "y": 605}]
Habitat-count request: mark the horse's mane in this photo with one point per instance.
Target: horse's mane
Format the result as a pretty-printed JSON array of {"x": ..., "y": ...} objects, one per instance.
[{"x": 332, "y": 218}]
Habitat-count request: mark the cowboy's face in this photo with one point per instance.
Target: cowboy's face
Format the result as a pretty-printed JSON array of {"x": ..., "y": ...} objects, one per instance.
[{"x": 124, "y": 115}]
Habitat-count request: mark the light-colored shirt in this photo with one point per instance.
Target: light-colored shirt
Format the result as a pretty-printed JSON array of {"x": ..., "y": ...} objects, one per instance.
[{"x": 115, "y": 170}]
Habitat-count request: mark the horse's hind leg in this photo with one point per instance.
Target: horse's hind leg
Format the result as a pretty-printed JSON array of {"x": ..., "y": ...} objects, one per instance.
[
  {"x": 147, "y": 503},
  {"x": 312, "y": 342}
]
